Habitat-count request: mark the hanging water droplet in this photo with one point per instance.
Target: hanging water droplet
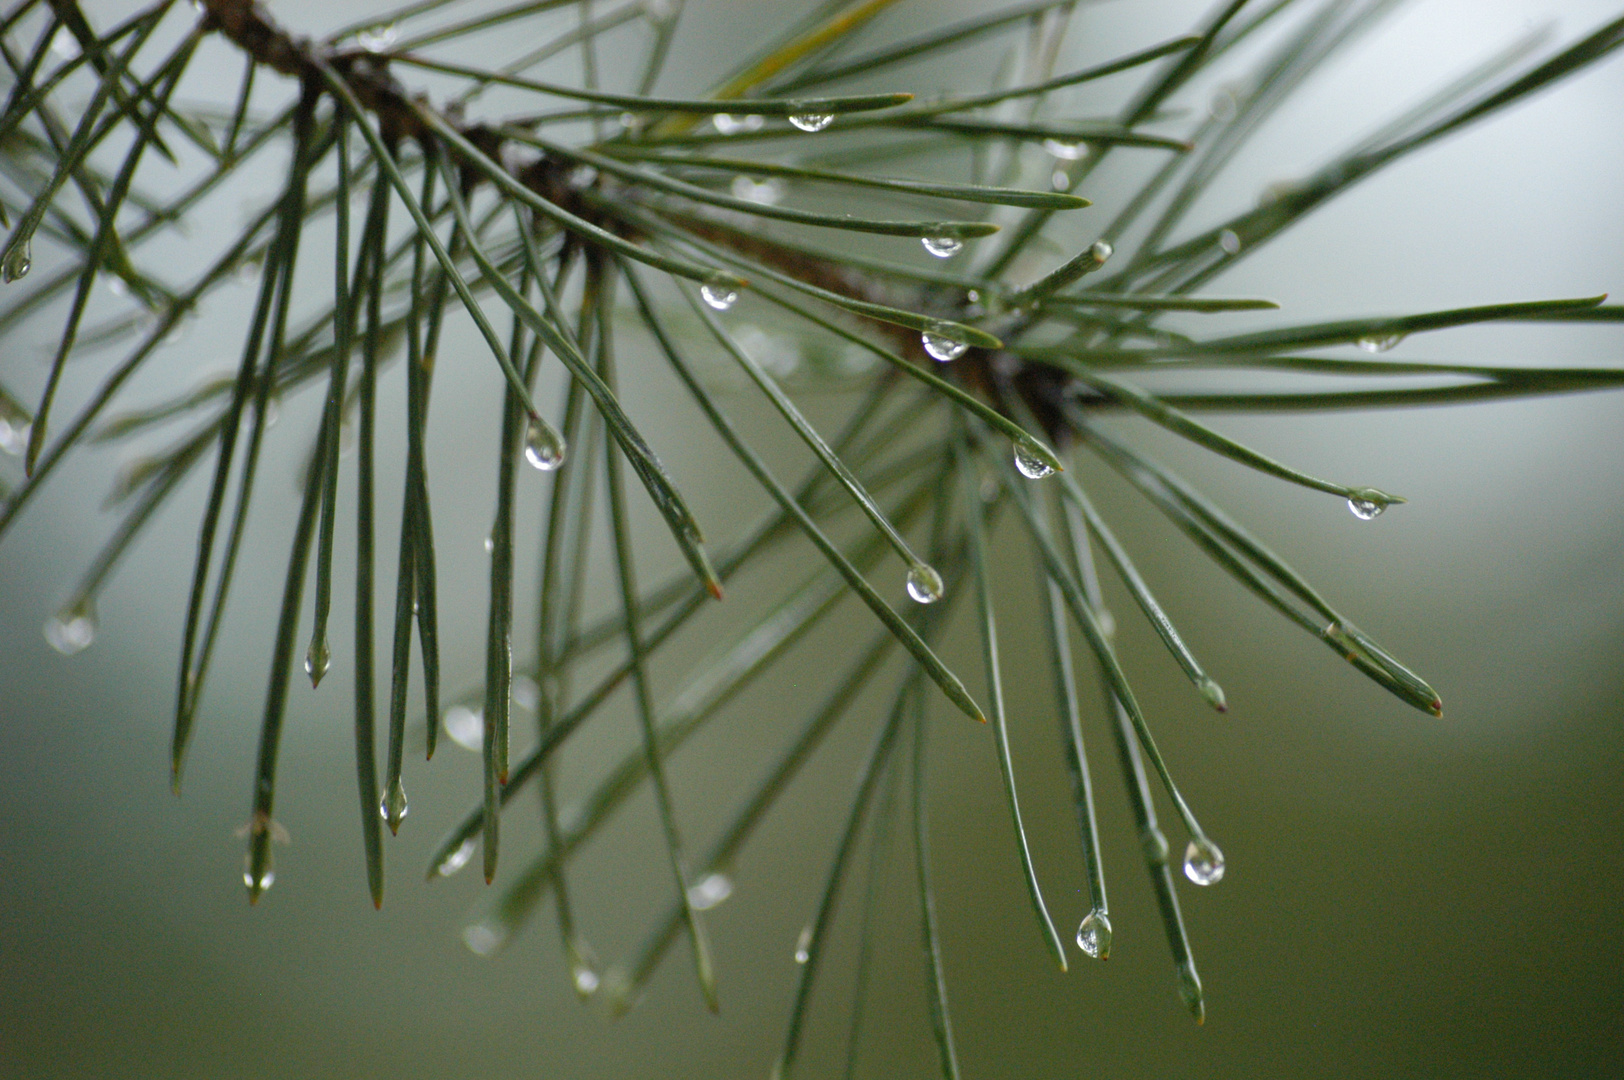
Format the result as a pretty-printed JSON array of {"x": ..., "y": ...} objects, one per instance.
[
  {"x": 812, "y": 121},
  {"x": 1154, "y": 845},
  {"x": 709, "y": 891},
  {"x": 585, "y": 979},
  {"x": 803, "y": 945},
  {"x": 457, "y": 859},
  {"x": 116, "y": 286},
  {"x": 1366, "y": 509},
  {"x": 1224, "y": 106},
  {"x": 267, "y": 876},
  {"x": 1100, "y": 250},
  {"x": 1030, "y": 464},
  {"x": 1060, "y": 180},
  {"x": 1190, "y": 991},
  {"x": 15, "y": 427},
  {"x": 941, "y": 344},
  {"x": 767, "y": 191},
  {"x": 1107, "y": 621},
  {"x": 317, "y": 659},
  {"x": 924, "y": 584},
  {"x": 1203, "y": 862},
  {"x": 1065, "y": 151},
  {"x": 466, "y": 727},
  {"x": 73, "y": 628},
  {"x": 942, "y": 245},
  {"x": 392, "y": 808},
  {"x": 1273, "y": 193},
  {"x": 631, "y": 123},
  {"x": 1379, "y": 343},
  {"x": 377, "y": 39},
  {"x": 543, "y": 448},
  {"x": 728, "y": 124},
  {"x": 1094, "y": 935},
  {"x": 490, "y": 543},
  {"x": 719, "y": 293},
  {"x": 1229, "y": 241},
  {"x": 483, "y": 938},
  {"x": 524, "y": 692},
  {"x": 17, "y": 264}
]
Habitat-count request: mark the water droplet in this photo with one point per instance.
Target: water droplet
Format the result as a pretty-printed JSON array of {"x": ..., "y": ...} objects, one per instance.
[
  {"x": 482, "y": 938},
  {"x": 524, "y": 692},
  {"x": 942, "y": 245},
  {"x": 392, "y": 808},
  {"x": 586, "y": 980},
  {"x": 924, "y": 584},
  {"x": 1230, "y": 241},
  {"x": 1379, "y": 343},
  {"x": 117, "y": 286},
  {"x": 630, "y": 122},
  {"x": 490, "y": 543},
  {"x": 1030, "y": 464},
  {"x": 1065, "y": 151},
  {"x": 466, "y": 727},
  {"x": 1273, "y": 193},
  {"x": 1366, "y": 509},
  {"x": 73, "y": 628},
  {"x": 1060, "y": 180},
  {"x": 618, "y": 993},
  {"x": 1094, "y": 935},
  {"x": 709, "y": 891},
  {"x": 1190, "y": 991},
  {"x": 1224, "y": 106},
  {"x": 543, "y": 447},
  {"x": 766, "y": 191},
  {"x": 457, "y": 859},
  {"x": 940, "y": 343},
  {"x": 1107, "y": 621},
  {"x": 1101, "y": 250},
  {"x": 267, "y": 877},
  {"x": 1154, "y": 845},
  {"x": 719, "y": 294},
  {"x": 727, "y": 124},
  {"x": 18, "y": 263},
  {"x": 1203, "y": 862},
  {"x": 317, "y": 659},
  {"x": 803, "y": 945},
  {"x": 811, "y": 121},
  {"x": 377, "y": 39},
  {"x": 15, "y": 427}
]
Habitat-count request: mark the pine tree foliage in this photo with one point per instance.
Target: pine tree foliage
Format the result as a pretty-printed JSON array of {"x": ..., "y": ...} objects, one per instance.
[{"x": 591, "y": 224}]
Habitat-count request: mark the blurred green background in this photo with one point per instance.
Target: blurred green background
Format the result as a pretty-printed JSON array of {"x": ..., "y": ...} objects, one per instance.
[{"x": 1405, "y": 896}]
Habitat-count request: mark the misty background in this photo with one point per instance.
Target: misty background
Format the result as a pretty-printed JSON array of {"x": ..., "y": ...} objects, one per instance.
[{"x": 1405, "y": 896}]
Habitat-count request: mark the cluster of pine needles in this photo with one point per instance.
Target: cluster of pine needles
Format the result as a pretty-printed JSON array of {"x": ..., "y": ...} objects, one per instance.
[{"x": 589, "y": 211}]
